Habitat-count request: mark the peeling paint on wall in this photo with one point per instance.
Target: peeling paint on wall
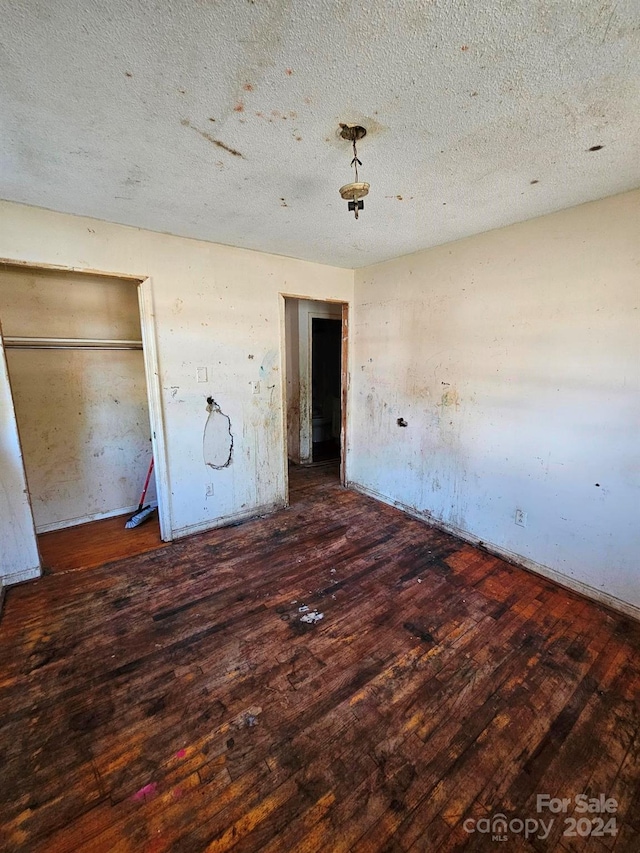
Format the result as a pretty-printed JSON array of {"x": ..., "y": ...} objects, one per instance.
[{"x": 217, "y": 444}]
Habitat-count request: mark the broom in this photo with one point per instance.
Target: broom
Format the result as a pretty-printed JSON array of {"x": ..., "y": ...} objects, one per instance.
[{"x": 143, "y": 512}]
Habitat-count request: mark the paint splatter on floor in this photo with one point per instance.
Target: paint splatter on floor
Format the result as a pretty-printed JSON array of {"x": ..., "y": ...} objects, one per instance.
[
  {"x": 145, "y": 793},
  {"x": 312, "y": 617}
]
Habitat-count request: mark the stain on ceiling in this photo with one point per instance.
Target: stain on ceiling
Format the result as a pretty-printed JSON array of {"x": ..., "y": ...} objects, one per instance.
[{"x": 219, "y": 119}]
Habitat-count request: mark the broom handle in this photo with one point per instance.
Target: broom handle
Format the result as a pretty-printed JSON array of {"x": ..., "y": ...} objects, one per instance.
[{"x": 146, "y": 485}]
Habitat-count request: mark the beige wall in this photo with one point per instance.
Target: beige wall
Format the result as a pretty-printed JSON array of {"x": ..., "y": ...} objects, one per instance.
[
  {"x": 514, "y": 357},
  {"x": 50, "y": 303},
  {"x": 216, "y": 308}
]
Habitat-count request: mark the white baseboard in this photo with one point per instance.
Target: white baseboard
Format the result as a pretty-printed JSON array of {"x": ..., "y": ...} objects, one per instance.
[
  {"x": 517, "y": 559},
  {"x": 96, "y": 516},
  {"x": 21, "y": 576},
  {"x": 226, "y": 520}
]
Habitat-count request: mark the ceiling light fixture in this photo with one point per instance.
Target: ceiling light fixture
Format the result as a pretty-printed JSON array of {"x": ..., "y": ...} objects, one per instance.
[{"x": 356, "y": 191}]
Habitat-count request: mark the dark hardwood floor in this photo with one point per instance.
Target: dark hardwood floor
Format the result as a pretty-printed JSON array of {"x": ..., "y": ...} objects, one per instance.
[{"x": 187, "y": 700}]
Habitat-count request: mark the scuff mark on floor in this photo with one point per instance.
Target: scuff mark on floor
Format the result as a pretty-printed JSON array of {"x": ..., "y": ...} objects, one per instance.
[{"x": 417, "y": 631}]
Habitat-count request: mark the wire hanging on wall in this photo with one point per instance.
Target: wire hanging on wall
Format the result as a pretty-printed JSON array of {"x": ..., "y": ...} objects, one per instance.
[{"x": 354, "y": 192}]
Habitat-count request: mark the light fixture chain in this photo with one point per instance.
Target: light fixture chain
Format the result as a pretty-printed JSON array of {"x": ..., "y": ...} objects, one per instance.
[{"x": 354, "y": 192}]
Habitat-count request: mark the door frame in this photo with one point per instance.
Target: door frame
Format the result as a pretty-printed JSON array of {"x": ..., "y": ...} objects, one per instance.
[
  {"x": 344, "y": 387},
  {"x": 154, "y": 398},
  {"x": 344, "y": 379},
  {"x": 30, "y": 559}
]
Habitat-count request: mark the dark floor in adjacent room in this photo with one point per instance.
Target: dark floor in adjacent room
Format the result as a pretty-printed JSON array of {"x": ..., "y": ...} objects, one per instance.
[
  {"x": 334, "y": 677},
  {"x": 325, "y": 451}
]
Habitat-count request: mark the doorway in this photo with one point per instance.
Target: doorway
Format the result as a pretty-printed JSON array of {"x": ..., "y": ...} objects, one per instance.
[
  {"x": 77, "y": 373},
  {"x": 316, "y": 369},
  {"x": 326, "y": 420}
]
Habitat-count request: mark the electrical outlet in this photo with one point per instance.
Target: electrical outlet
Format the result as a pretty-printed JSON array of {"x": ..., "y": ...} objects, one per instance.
[
  {"x": 255, "y": 387},
  {"x": 209, "y": 490},
  {"x": 520, "y": 518},
  {"x": 201, "y": 374}
]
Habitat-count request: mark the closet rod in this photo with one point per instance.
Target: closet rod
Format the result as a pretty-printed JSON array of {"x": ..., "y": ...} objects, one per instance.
[{"x": 13, "y": 342}]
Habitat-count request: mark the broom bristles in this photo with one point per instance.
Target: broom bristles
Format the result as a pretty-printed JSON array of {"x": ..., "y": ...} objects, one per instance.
[{"x": 139, "y": 517}]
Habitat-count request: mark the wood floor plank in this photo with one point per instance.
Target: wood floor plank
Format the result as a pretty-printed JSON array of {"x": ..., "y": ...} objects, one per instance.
[
  {"x": 175, "y": 702},
  {"x": 97, "y": 542}
]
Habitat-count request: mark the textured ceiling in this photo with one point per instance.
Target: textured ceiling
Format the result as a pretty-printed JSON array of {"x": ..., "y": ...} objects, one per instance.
[{"x": 217, "y": 119}]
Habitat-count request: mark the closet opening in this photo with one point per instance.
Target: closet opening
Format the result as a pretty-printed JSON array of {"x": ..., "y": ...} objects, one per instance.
[{"x": 76, "y": 366}]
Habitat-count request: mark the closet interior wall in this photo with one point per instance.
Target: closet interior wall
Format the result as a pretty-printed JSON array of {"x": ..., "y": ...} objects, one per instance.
[{"x": 75, "y": 361}]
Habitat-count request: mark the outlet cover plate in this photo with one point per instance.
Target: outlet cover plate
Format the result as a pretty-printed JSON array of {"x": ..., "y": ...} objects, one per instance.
[{"x": 520, "y": 518}]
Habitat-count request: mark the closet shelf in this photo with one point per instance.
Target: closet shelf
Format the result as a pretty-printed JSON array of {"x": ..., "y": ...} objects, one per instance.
[{"x": 13, "y": 342}]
